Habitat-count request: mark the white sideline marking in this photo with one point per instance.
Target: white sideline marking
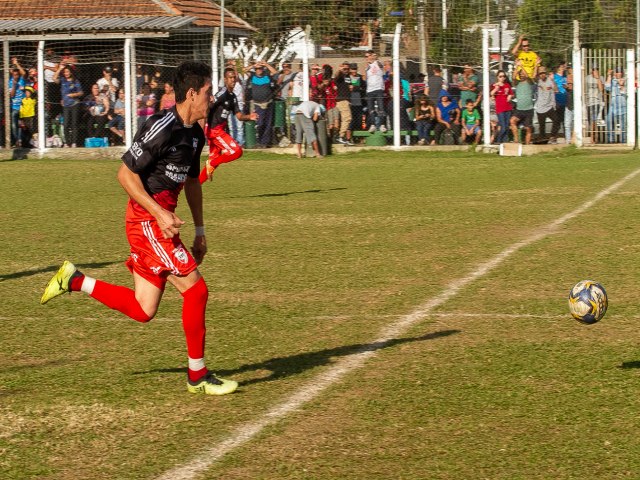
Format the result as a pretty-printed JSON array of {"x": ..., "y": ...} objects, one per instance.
[{"x": 345, "y": 365}]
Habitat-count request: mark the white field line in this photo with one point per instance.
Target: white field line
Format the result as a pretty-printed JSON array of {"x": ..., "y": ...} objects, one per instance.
[{"x": 245, "y": 432}]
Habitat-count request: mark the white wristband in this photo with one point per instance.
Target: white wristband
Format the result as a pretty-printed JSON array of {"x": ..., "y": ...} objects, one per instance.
[{"x": 200, "y": 231}]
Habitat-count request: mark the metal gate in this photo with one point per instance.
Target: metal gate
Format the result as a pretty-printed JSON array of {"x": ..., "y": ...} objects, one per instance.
[{"x": 608, "y": 89}]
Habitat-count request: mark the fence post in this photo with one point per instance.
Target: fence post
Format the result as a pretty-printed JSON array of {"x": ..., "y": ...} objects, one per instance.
[
  {"x": 7, "y": 96},
  {"x": 41, "y": 128},
  {"x": 631, "y": 98},
  {"x": 486, "y": 89},
  {"x": 128, "y": 92},
  {"x": 578, "y": 79},
  {"x": 397, "y": 91}
]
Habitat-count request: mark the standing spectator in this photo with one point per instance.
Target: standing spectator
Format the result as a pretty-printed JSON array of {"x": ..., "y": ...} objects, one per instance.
[
  {"x": 527, "y": 58},
  {"x": 595, "y": 99},
  {"x": 375, "y": 93},
  {"x": 343, "y": 103},
  {"x": 108, "y": 85},
  {"x": 617, "y": 114},
  {"x": 568, "y": 112},
  {"x": 32, "y": 78},
  {"x": 284, "y": 86},
  {"x": 146, "y": 103},
  {"x": 307, "y": 115},
  {"x": 70, "y": 92},
  {"x": 260, "y": 91},
  {"x": 28, "y": 116},
  {"x": 471, "y": 122},
  {"x": 545, "y": 105},
  {"x": 522, "y": 116},
  {"x": 97, "y": 105},
  {"x": 468, "y": 85},
  {"x": 424, "y": 116},
  {"x": 435, "y": 84},
  {"x": 17, "y": 85},
  {"x": 502, "y": 92},
  {"x": 448, "y": 116},
  {"x": 358, "y": 88},
  {"x": 168, "y": 98},
  {"x": 560, "y": 79}
]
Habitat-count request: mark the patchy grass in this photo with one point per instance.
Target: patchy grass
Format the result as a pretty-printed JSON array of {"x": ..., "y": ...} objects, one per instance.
[{"x": 308, "y": 261}]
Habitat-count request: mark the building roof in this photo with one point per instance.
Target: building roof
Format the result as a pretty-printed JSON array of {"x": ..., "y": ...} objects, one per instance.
[{"x": 60, "y": 16}]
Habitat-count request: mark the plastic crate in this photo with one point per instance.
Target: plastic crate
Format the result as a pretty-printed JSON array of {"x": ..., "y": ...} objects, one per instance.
[{"x": 96, "y": 142}]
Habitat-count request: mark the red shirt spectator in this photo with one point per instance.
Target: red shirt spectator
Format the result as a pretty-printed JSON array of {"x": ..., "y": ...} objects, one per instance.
[{"x": 502, "y": 92}]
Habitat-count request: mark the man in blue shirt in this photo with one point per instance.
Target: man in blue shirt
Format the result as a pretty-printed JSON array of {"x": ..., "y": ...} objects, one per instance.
[
  {"x": 261, "y": 88},
  {"x": 16, "y": 92}
]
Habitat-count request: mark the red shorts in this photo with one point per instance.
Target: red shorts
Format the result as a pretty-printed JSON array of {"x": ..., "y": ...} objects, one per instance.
[{"x": 154, "y": 257}]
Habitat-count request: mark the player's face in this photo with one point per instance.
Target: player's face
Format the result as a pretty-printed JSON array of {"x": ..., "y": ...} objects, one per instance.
[
  {"x": 201, "y": 101},
  {"x": 230, "y": 80}
]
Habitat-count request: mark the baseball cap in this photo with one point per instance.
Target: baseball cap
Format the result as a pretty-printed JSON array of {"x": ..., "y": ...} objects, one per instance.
[{"x": 107, "y": 69}]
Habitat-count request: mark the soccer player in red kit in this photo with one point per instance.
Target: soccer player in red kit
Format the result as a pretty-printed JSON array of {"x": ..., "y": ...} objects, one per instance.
[
  {"x": 222, "y": 147},
  {"x": 163, "y": 159}
]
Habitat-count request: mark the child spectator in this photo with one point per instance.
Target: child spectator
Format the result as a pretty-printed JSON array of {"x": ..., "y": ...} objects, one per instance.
[
  {"x": 471, "y": 122},
  {"x": 28, "y": 116}
]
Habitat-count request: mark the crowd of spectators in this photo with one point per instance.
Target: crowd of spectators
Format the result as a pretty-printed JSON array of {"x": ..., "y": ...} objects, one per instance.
[
  {"x": 81, "y": 103},
  {"x": 529, "y": 102}
]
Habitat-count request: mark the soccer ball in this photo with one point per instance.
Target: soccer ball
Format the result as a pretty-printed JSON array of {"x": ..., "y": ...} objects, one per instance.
[{"x": 588, "y": 302}]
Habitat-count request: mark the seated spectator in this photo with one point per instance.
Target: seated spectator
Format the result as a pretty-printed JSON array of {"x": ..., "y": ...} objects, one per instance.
[
  {"x": 146, "y": 103},
  {"x": 107, "y": 84},
  {"x": 168, "y": 98},
  {"x": 97, "y": 104},
  {"x": 448, "y": 115},
  {"x": 116, "y": 119},
  {"x": 424, "y": 116},
  {"x": 471, "y": 122}
]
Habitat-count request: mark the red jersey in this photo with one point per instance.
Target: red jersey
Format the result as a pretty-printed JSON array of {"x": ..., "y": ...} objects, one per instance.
[
  {"x": 502, "y": 104},
  {"x": 164, "y": 153}
]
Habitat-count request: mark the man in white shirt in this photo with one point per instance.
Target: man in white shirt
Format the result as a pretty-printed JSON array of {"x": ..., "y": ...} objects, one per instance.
[
  {"x": 307, "y": 114},
  {"x": 374, "y": 76}
]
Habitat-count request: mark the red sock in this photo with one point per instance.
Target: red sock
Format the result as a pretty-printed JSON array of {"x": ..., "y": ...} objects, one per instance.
[
  {"x": 76, "y": 282},
  {"x": 193, "y": 310},
  {"x": 195, "y": 375},
  {"x": 120, "y": 298}
]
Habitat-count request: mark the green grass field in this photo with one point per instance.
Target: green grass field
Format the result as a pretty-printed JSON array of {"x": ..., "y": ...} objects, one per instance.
[{"x": 309, "y": 261}]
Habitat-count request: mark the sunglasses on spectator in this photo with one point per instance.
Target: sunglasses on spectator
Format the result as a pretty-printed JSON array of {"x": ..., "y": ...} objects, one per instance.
[
  {"x": 502, "y": 76},
  {"x": 525, "y": 45}
]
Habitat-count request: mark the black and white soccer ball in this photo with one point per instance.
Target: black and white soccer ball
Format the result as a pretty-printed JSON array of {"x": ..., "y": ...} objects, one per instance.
[{"x": 588, "y": 302}]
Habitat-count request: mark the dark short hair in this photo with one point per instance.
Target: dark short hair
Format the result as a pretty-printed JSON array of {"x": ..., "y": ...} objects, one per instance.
[
  {"x": 227, "y": 70},
  {"x": 190, "y": 75},
  {"x": 468, "y": 102},
  {"x": 369, "y": 52}
]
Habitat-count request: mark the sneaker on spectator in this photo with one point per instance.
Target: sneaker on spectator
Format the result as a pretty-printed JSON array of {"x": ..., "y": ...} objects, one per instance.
[
  {"x": 341, "y": 140},
  {"x": 383, "y": 129},
  {"x": 421, "y": 141},
  {"x": 348, "y": 142},
  {"x": 372, "y": 129}
]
